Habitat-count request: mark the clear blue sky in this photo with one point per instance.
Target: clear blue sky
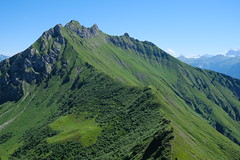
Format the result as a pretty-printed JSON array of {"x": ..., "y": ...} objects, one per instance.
[{"x": 188, "y": 27}]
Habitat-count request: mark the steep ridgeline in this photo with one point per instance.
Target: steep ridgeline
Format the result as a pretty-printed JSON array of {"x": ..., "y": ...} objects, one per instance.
[{"x": 80, "y": 93}]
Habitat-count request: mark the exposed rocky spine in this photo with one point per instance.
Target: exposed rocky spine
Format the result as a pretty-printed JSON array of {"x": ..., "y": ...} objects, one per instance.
[
  {"x": 82, "y": 31},
  {"x": 32, "y": 65}
]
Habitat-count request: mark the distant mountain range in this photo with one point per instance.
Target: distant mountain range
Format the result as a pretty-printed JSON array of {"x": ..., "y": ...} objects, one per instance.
[
  {"x": 2, "y": 57},
  {"x": 228, "y": 64}
]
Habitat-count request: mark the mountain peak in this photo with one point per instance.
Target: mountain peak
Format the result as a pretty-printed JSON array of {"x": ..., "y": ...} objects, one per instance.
[
  {"x": 126, "y": 34},
  {"x": 95, "y": 27},
  {"x": 73, "y": 23},
  {"x": 82, "y": 31},
  {"x": 54, "y": 32},
  {"x": 57, "y": 29},
  {"x": 233, "y": 53}
]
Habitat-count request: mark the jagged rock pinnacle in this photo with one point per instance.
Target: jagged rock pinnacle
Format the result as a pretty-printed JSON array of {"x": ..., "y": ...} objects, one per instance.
[
  {"x": 73, "y": 23},
  {"x": 95, "y": 27},
  {"x": 126, "y": 34},
  {"x": 82, "y": 31}
]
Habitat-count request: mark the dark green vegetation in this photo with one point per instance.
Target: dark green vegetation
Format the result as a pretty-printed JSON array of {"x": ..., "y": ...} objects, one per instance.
[
  {"x": 78, "y": 93},
  {"x": 100, "y": 119}
]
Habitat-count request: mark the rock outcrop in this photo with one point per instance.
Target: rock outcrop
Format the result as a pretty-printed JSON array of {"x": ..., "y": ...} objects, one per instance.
[
  {"x": 82, "y": 31},
  {"x": 32, "y": 65}
]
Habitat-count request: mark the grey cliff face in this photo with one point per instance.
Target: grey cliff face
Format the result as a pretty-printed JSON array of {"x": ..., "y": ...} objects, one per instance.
[
  {"x": 38, "y": 62},
  {"x": 127, "y": 42},
  {"x": 82, "y": 31},
  {"x": 31, "y": 66}
]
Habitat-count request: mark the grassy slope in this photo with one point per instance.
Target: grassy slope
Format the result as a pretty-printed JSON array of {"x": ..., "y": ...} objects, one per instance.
[
  {"x": 195, "y": 138},
  {"x": 123, "y": 120},
  {"x": 84, "y": 130}
]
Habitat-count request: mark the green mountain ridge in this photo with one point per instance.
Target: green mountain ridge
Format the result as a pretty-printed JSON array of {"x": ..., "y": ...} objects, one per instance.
[{"x": 78, "y": 93}]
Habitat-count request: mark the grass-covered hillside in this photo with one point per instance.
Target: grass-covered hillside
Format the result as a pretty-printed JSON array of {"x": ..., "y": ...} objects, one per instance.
[{"x": 78, "y": 93}]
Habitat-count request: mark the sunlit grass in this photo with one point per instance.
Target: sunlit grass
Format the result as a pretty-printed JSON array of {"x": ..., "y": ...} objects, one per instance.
[{"x": 80, "y": 129}]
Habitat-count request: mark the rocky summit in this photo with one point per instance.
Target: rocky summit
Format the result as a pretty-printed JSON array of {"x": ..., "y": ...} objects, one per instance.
[{"x": 82, "y": 31}]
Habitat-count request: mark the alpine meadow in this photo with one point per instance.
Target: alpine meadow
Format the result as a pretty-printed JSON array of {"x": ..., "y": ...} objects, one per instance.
[{"x": 79, "y": 93}]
